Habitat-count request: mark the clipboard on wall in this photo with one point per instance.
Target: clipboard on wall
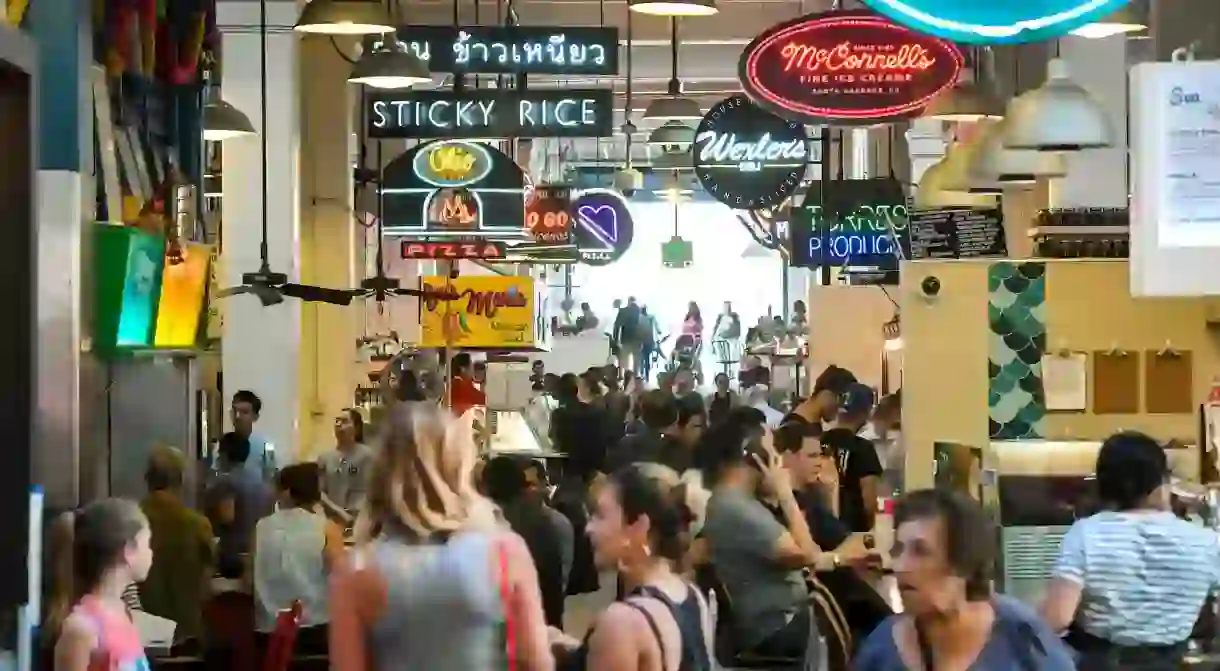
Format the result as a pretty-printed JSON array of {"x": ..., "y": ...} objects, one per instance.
[
  {"x": 1168, "y": 382},
  {"x": 1116, "y": 382}
]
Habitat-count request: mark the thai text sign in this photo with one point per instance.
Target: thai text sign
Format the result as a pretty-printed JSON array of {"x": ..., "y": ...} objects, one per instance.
[
  {"x": 538, "y": 50},
  {"x": 845, "y": 67},
  {"x": 492, "y": 114},
  {"x": 492, "y": 312}
]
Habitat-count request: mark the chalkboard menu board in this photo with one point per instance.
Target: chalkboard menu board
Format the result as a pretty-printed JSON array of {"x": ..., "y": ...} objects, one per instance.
[{"x": 957, "y": 234}]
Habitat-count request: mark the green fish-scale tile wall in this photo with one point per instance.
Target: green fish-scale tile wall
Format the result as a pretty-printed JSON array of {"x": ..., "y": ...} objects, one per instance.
[{"x": 1016, "y": 306}]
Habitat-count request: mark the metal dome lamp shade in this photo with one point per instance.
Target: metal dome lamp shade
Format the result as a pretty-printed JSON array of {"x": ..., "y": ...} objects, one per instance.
[
  {"x": 933, "y": 194},
  {"x": 996, "y": 167},
  {"x": 344, "y": 17},
  {"x": 1125, "y": 20},
  {"x": 1060, "y": 115},
  {"x": 972, "y": 99},
  {"x": 673, "y": 106},
  {"x": 676, "y": 159},
  {"x": 672, "y": 133},
  {"x": 222, "y": 121},
  {"x": 674, "y": 7},
  {"x": 389, "y": 65}
]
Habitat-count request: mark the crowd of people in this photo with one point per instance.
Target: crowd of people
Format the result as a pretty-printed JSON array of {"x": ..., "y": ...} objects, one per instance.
[{"x": 452, "y": 560}]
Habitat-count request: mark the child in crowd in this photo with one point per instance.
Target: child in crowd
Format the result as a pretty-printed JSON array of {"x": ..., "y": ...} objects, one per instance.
[{"x": 110, "y": 551}]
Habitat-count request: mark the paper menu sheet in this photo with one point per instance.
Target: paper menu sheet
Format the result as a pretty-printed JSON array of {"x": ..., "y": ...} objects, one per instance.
[
  {"x": 1065, "y": 381},
  {"x": 155, "y": 632}
]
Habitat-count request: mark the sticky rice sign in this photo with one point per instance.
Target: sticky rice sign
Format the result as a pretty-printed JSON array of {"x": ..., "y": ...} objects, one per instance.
[{"x": 491, "y": 312}]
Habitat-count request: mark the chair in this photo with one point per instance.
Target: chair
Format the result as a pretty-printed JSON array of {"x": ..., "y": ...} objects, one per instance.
[
  {"x": 283, "y": 639},
  {"x": 228, "y": 619},
  {"x": 730, "y": 656}
]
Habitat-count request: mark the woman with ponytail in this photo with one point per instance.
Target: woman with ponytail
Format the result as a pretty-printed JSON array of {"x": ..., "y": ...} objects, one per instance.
[
  {"x": 641, "y": 526},
  {"x": 110, "y": 551}
]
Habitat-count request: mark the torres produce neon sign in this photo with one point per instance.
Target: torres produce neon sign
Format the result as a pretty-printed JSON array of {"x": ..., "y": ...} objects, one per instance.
[{"x": 852, "y": 67}]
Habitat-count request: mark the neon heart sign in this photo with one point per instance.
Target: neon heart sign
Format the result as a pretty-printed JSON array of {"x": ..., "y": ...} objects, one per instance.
[{"x": 604, "y": 227}]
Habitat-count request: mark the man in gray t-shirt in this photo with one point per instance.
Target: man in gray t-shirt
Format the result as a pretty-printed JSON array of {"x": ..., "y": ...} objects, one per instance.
[{"x": 742, "y": 536}]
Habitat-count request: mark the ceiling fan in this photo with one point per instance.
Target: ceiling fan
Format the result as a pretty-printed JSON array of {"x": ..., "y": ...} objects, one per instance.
[{"x": 270, "y": 287}]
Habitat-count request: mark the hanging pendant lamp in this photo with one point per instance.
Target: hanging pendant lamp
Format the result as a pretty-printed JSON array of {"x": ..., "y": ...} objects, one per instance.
[
  {"x": 389, "y": 65},
  {"x": 673, "y": 7},
  {"x": 673, "y": 106},
  {"x": 222, "y": 121},
  {"x": 932, "y": 193},
  {"x": 1127, "y": 19},
  {"x": 1060, "y": 115},
  {"x": 344, "y": 17},
  {"x": 972, "y": 99},
  {"x": 672, "y": 133},
  {"x": 674, "y": 159},
  {"x": 994, "y": 167}
]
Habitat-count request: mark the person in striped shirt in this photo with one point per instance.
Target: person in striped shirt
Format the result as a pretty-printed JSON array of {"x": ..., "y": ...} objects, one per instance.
[{"x": 1130, "y": 580}]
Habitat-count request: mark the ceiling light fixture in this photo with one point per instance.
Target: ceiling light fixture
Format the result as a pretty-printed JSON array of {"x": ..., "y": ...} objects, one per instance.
[
  {"x": 344, "y": 17},
  {"x": 673, "y": 7},
  {"x": 672, "y": 133},
  {"x": 1060, "y": 115},
  {"x": 953, "y": 168},
  {"x": 389, "y": 65},
  {"x": 674, "y": 106},
  {"x": 675, "y": 159},
  {"x": 994, "y": 166},
  {"x": 1125, "y": 20},
  {"x": 972, "y": 99},
  {"x": 222, "y": 121}
]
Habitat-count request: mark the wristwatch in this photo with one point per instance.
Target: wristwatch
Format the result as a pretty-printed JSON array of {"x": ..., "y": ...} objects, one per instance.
[{"x": 835, "y": 560}]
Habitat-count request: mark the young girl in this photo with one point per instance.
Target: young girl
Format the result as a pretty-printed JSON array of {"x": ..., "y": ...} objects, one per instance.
[{"x": 110, "y": 551}]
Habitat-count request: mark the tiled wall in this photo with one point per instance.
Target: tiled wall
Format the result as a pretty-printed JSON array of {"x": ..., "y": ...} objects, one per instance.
[{"x": 1016, "y": 319}]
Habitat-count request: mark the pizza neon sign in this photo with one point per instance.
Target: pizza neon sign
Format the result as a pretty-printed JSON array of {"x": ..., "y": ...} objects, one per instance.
[{"x": 850, "y": 67}]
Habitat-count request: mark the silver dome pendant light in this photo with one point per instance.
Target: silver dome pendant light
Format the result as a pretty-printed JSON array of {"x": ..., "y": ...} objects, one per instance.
[
  {"x": 973, "y": 98},
  {"x": 1060, "y": 115},
  {"x": 674, "y": 106}
]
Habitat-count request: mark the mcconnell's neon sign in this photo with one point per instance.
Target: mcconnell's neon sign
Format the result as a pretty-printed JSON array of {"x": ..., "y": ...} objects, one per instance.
[{"x": 847, "y": 56}]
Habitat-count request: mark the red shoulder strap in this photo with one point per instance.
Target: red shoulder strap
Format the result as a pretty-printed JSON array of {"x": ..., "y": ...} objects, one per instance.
[{"x": 506, "y": 595}]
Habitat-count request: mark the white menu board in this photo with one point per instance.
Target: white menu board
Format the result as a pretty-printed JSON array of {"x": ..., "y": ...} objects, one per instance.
[{"x": 1175, "y": 178}]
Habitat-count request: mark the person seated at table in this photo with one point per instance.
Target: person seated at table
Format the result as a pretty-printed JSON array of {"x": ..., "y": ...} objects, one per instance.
[
  {"x": 759, "y": 560},
  {"x": 294, "y": 548},
  {"x": 184, "y": 555},
  {"x": 237, "y": 500},
  {"x": 507, "y": 486}
]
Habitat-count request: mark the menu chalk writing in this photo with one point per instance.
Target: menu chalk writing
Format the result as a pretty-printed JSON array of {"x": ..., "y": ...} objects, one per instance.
[{"x": 957, "y": 234}]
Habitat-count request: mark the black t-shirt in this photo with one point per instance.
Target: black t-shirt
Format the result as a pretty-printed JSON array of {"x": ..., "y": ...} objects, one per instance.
[
  {"x": 856, "y": 459},
  {"x": 826, "y": 529}
]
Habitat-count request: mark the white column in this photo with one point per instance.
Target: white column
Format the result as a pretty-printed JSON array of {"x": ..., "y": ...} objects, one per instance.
[
  {"x": 261, "y": 345},
  {"x": 1097, "y": 177}
]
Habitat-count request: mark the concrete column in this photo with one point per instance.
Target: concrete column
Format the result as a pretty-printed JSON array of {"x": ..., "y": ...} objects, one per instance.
[
  {"x": 260, "y": 345},
  {"x": 1097, "y": 177},
  {"x": 70, "y": 386},
  {"x": 329, "y": 235}
]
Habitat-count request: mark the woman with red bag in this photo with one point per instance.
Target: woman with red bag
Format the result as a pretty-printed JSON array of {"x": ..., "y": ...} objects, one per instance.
[{"x": 436, "y": 581}]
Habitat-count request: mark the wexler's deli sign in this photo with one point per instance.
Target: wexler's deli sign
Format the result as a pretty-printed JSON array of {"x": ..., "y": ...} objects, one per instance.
[
  {"x": 747, "y": 157},
  {"x": 491, "y": 114}
]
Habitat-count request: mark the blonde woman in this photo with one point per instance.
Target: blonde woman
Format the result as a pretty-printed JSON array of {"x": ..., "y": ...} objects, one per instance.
[{"x": 436, "y": 581}]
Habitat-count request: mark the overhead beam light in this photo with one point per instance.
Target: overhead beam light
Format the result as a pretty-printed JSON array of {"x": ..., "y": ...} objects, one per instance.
[
  {"x": 344, "y": 17},
  {"x": 674, "y": 7},
  {"x": 389, "y": 65}
]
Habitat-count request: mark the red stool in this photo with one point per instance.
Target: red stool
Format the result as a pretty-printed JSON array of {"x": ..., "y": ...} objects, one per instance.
[{"x": 284, "y": 639}]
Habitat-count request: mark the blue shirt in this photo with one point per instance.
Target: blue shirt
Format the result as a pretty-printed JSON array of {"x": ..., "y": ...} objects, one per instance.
[
  {"x": 1145, "y": 575},
  {"x": 1020, "y": 641}
]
